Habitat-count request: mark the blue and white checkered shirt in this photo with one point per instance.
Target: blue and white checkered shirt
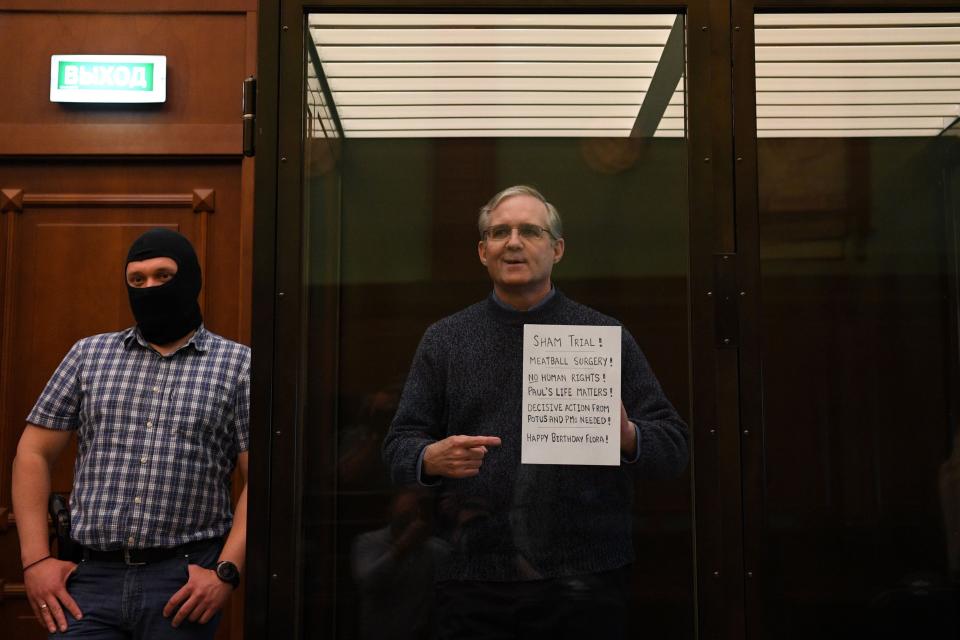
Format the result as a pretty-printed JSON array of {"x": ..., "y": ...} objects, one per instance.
[{"x": 158, "y": 436}]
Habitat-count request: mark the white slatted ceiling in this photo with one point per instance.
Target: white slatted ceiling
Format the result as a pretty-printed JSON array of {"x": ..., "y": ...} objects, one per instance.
[
  {"x": 368, "y": 20},
  {"x": 452, "y": 75},
  {"x": 857, "y": 74},
  {"x": 551, "y": 98},
  {"x": 319, "y": 120},
  {"x": 623, "y": 86},
  {"x": 498, "y": 111},
  {"x": 532, "y": 70},
  {"x": 847, "y": 74},
  {"x": 899, "y": 19},
  {"x": 480, "y": 53}
]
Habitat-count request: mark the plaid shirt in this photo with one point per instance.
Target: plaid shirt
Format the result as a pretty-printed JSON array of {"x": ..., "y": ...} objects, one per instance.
[{"x": 158, "y": 436}]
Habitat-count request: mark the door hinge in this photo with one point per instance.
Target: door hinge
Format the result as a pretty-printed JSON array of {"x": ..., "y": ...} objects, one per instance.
[
  {"x": 249, "y": 115},
  {"x": 726, "y": 299}
]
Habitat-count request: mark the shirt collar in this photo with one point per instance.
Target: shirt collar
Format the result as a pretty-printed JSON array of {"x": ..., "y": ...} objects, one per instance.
[
  {"x": 198, "y": 340},
  {"x": 509, "y": 307}
]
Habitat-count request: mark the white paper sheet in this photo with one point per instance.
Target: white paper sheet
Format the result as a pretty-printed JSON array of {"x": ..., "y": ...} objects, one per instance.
[{"x": 571, "y": 395}]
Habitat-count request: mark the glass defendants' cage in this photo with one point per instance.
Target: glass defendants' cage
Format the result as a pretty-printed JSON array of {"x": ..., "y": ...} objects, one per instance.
[{"x": 779, "y": 239}]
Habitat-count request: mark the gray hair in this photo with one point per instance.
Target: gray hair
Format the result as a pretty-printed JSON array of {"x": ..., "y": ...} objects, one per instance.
[{"x": 553, "y": 216}]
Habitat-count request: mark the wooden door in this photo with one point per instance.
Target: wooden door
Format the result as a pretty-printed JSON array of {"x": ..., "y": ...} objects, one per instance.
[
  {"x": 79, "y": 182},
  {"x": 66, "y": 230}
]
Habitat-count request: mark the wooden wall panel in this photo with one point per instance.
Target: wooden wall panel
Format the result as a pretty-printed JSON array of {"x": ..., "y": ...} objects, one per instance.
[
  {"x": 129, "y": 6},
  {"x": 61, "y": 258},
  {"x": 62, "y": 279},
  {"x": 207, "y": 60}
]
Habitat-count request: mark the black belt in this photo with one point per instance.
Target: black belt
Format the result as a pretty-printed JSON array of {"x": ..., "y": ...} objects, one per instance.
[{"x": 148, "y": 556}]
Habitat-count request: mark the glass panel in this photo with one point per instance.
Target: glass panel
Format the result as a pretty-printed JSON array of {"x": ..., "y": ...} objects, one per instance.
[
  {"x": 858, "y": 215},
  {"x": 412, "y": 122}
]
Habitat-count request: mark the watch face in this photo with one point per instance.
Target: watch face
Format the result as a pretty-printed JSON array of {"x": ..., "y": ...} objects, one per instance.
[{"x": 227, "y": 571}]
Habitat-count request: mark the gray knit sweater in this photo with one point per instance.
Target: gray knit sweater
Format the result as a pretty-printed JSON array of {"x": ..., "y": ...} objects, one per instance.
[{"x": 523, "y": 522}]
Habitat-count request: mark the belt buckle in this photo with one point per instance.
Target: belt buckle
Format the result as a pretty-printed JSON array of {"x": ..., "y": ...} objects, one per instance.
[{"x": 126, "y": 559}]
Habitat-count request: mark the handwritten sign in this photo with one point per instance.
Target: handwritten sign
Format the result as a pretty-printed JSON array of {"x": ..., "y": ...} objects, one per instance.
[{"x": 571, "y": 395}]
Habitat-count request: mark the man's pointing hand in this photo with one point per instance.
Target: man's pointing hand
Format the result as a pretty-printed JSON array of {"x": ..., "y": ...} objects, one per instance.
[{"x": 457, "y": 456}]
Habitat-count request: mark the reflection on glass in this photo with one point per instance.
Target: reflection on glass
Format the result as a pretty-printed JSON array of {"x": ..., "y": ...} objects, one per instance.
[
  {"x": 395, "y": 567},
  {"x": 392, "y": 196},
  {"x": 858, "y": 206}
]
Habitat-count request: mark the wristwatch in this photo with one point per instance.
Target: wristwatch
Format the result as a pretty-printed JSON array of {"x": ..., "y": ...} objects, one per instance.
[{"x": 228, "y": 572}]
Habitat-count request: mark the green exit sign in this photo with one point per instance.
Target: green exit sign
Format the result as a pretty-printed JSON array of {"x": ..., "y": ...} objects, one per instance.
[{"x": 102, "y": 78}]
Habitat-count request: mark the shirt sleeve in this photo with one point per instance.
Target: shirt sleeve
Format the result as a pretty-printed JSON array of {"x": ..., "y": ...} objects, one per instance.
[
  {"x": 58, "y": 407},
  {"x": 241, "y": 408},
  {"x": 421, "y": 478}
]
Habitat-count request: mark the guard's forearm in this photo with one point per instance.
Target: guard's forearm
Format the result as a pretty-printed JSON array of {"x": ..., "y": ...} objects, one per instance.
[
  {"x": 235, "y": 548},
  {"x": 31, "y": 491}
]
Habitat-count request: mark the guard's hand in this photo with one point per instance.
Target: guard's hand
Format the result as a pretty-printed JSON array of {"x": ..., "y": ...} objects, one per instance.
[
  {"x": 200, "y": 599},
  {"x": 46, "y": 586},
  {"x": 457, "y": 456},
  {"x": 628, "y": 434}
]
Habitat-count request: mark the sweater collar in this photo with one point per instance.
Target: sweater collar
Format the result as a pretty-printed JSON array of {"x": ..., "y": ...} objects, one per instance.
[
  {"x": 510, "y": 316},
  {"x": 509, "y": 307}
]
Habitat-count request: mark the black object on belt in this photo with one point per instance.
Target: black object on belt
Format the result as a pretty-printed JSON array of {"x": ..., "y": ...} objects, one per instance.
[{"x": 147, "y": 556}]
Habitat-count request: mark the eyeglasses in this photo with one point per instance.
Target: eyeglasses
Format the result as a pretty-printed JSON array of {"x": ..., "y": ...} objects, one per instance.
[{"x": 502, "y": 232}]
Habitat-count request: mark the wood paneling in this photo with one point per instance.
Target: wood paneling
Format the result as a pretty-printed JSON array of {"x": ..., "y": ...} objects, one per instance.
[
  {"x": 120, "y": 139},
  {"x": 199, "y": 200},
  {"x": 64, "y": 248},
  {"x": 63, "y": 256},
  {"x": 207, "y": 59},
  {"x": 129, "y": 6},
  {"x": 67, "y": 217}
]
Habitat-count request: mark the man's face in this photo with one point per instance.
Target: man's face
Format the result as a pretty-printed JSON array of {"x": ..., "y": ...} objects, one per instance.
[
  {"x": 151, "y": 273},
  {"x": 518, "y": 263}
]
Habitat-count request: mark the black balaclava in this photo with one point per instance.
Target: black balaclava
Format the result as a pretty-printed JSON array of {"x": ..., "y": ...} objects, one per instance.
[{"x": 170, "y": 311}]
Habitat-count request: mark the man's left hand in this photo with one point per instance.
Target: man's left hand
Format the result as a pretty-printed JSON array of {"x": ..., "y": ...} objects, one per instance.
[
  {"x": 200, "y": 599},
  {"x": 628, "y": 434}
]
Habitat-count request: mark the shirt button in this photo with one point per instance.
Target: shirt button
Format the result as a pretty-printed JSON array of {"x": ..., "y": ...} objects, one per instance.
[
  {"x": 156, "y": 389},
  {"x": 137, "y": 500},
  {"x": 143, "y": 460},
  {"x": 130, "y": 540},
  {"x": 149, "y": 424}
]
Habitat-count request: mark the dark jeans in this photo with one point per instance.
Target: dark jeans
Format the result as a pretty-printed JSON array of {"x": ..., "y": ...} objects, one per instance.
[
  {"x": 120, "y": 601},
  {"x": 578, "y": 607}
]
